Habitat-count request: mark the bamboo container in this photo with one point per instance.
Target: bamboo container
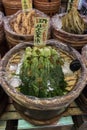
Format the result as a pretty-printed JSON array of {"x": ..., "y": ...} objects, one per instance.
[
  {"x": 11, "y": 6},
  {"x": 49, "y": 7},
  {"x": 75, "y": 40}
]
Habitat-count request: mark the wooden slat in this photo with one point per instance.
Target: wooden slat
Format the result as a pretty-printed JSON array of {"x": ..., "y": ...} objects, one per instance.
[
  {"x": 11, "y": 114},
  {"x": 72, "y": 112},
  {"x": 73, "y": 105},
  {"x": 10, "y": 108}
]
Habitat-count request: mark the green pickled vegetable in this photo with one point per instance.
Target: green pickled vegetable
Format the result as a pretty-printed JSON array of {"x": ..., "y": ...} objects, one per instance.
[{"x": 41, "y": 73}]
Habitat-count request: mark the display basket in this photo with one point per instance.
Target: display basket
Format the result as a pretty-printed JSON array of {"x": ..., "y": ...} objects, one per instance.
[
  {"x": 43, "y": 111},
  {"x": 48, "y": 7},
  {"x": 75, "y": 40},
  {"x": 11, "y": 6},
  {"x": 12, "y": 37}
]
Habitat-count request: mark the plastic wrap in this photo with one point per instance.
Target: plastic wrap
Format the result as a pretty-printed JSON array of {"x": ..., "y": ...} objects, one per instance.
[
  {"x": 75, "y": 40},
  {"x": 12, "y": 37}
]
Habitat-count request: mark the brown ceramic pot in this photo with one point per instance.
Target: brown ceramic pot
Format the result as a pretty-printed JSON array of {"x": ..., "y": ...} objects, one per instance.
[
  {"x": 12, "y": 37},
  {"x": 49, "y": 8},
  {"x": 11, "y": 6},
  {"x": 75, "y": 40},
  {"x": 42, "y": 111}
]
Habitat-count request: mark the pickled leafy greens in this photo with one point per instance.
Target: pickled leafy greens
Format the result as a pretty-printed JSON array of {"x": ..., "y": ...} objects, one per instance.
[{"x": 41, "y": 73}]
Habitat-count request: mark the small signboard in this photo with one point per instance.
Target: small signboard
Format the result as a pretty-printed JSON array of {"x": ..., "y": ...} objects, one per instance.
[
  {"x": 41, "y": 30},
  {"x": 26, "y": 5}
]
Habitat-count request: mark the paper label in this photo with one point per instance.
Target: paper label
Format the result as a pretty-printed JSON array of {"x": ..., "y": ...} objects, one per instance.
[
  {"x": 26, "y": 5},
  {"x": 41, "y": 30}
]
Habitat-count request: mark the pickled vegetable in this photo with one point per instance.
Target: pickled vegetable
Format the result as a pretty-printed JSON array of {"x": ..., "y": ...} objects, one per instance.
[
  {"x": 41, "y": 73},
  {"x": 73, "y": 23}
]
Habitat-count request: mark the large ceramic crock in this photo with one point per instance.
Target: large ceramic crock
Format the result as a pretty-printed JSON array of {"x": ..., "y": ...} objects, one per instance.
[
  {"x": 48, "y": 7},
  {"x": 75, "y": 40},
  {"x": 11, "y": 6},
  {"x": 14, "y": 38},
  {"x": 42, "y": 110}
]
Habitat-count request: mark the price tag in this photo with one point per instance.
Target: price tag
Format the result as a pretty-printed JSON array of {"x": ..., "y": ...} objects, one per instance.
[
  {"x": 41, "y": 30},
  {"x": 26, "y": 5}
]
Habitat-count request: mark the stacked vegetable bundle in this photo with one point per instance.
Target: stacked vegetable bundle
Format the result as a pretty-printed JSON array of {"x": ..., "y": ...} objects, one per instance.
[
  {"x": 41, "y": 73},
  {"x": 20, "y": 26},
  {"x": 24, "y": 23},
  {"x": 73, "y": 23}
]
